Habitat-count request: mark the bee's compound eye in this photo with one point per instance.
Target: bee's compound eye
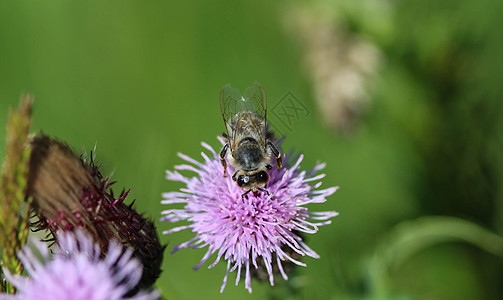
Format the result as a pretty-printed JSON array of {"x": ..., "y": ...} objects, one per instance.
[
  {"x": 242, "y": 180},
  {"x": 262, "y": 176}
]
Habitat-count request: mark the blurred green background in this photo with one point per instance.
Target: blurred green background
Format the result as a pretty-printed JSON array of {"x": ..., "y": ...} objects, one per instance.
[{"x": 419, "y": 133}]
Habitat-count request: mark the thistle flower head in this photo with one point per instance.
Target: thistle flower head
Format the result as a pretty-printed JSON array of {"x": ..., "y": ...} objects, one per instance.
[
  {"x": 252, "y": 230},
  {"x": 69, "y": 192},
  {"x": 77, "y": 272}
]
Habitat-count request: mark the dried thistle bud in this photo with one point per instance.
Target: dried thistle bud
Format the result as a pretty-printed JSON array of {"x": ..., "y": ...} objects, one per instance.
[{"x": 69, "y": 192}]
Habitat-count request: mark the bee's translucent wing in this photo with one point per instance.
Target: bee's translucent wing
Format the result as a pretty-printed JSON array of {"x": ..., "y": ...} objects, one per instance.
[
  {"x": 256, "y": 100},
  {"x": 229, "y": 96},
  {"x": 253, "y": 100}
]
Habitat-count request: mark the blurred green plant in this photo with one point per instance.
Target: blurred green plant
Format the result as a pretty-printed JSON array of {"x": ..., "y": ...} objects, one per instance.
[
  {"x": 411, "y": 237},
  {"x": 14, "y": 213},
  {"x": 437, "y": 99}
]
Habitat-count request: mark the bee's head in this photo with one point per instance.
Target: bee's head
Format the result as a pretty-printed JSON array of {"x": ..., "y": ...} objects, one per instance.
[{"x": 251, "y": 181}]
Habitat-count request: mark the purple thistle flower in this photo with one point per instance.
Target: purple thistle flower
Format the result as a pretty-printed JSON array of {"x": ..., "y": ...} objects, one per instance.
[
  {"x": 243, "y": 230},
  {"x": 77, "y": 272},
  {"x": 69, "y": 192}
]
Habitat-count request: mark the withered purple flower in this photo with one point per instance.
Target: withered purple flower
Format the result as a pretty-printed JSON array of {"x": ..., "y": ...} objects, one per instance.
[
  {"x": 249, "y": 231},
  {"x": 69, "y": 192}
]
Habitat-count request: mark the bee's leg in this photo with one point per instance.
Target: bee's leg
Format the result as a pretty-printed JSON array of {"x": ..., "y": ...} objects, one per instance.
[
  {"x": 244, "y": 194},
  {"x": 264, "y": 190},
  {"x": 222, "y": 158},
  {"x": 225, "y": 136},
  {"x": 279, "y": 160},
  {"x": 269, "y": 135}
]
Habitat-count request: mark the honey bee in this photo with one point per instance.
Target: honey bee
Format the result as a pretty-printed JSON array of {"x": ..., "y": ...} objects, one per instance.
[{"x": 248, "y": 143}]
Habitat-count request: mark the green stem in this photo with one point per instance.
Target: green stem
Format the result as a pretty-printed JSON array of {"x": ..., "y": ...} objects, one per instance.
[{"x": 410, "y": 237}]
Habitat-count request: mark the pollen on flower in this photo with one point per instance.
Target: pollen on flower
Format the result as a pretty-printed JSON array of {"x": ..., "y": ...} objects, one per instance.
[{"x": 251, "y": 232}]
